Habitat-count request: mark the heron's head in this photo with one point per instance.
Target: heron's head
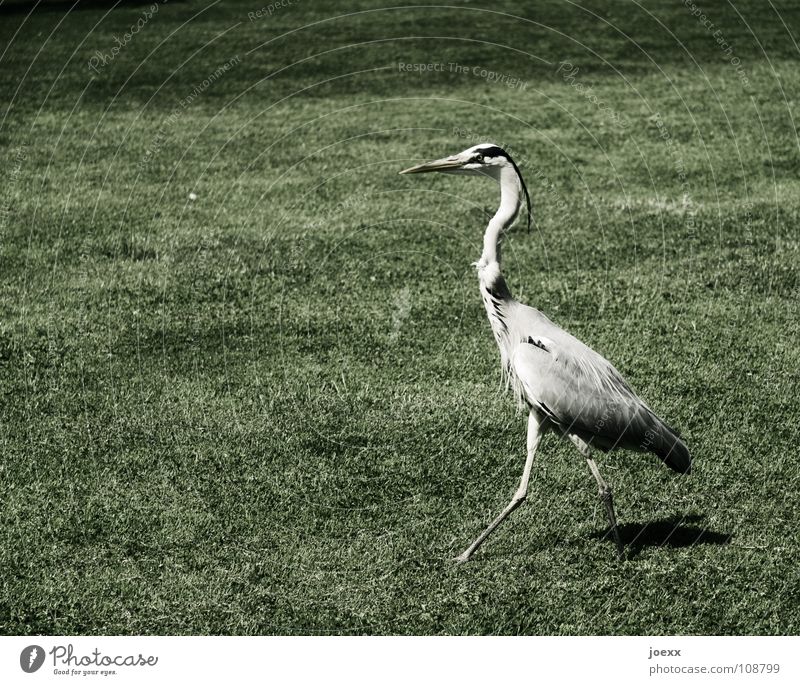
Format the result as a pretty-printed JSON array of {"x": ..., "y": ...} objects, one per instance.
[{"x": 484, "y": 159}]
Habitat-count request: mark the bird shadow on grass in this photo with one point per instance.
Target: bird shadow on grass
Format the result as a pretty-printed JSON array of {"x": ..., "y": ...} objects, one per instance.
[{"x": 675, "y": 531}]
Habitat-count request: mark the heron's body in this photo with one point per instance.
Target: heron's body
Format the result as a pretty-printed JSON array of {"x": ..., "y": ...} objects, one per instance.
[
  {"x": 575, "y": 390},
  {"x": 565, "y": 385}
]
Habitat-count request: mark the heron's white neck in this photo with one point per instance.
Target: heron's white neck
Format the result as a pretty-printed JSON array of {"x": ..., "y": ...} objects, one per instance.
[{"x": 510, "y": 201}]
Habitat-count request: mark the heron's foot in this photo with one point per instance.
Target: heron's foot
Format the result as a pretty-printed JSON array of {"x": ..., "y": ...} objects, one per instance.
[
  {"x": 619, "y": 545},
  {"x": 607, "y": 498},
  {"x": 462, "y": 558}
]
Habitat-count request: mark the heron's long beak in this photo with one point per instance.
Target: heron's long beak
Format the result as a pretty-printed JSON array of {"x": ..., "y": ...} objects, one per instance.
[{"x": 436, "y": 165}]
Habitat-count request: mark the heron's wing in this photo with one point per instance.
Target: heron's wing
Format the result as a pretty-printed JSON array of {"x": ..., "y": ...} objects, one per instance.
[
  {"x": 580, "y": 391},
  {"x": 583, "y": 394}
]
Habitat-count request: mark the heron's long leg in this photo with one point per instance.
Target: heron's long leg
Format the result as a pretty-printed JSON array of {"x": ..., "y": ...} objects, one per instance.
[
  {"x": 606, "y": 496},
  {"x": 534, "y": 435}
]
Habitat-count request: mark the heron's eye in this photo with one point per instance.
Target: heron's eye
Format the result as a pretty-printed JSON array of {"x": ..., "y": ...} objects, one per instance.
[{"x": 479, "y": 157}]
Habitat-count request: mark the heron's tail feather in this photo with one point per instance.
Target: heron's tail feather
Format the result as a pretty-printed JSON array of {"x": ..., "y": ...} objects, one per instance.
[{"x": 668, "y": 445}]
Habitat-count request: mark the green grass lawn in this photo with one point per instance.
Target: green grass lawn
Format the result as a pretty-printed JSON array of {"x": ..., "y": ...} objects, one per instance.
[{"x": 277, "y": 408}]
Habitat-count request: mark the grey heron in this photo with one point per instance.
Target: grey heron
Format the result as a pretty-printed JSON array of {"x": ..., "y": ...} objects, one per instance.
[{"x": 566, "y": 387}]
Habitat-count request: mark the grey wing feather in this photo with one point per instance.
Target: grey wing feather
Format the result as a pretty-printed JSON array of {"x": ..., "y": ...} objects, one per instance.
[{"x": 583, "y": 394}]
